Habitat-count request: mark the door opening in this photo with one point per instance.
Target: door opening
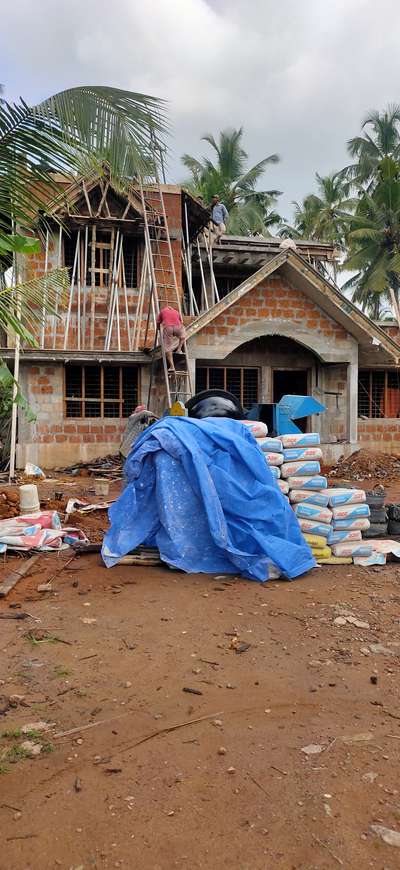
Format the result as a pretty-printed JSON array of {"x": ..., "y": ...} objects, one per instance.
[{"x": 292, "y": 382}]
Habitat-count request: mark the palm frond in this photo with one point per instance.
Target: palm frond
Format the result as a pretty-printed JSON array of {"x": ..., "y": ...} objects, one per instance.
[{"x": 24, "y": 306}]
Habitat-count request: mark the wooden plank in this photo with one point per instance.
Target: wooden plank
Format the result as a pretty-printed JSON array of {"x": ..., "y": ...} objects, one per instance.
[
  {"x": 87, "y": 199},
  {"x": 14, "y": 577},
  {"x": 103, "y": 197}
]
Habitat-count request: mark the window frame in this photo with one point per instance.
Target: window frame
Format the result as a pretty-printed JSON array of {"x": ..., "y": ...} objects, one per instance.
[
  {"x": 242, "y": 369},
  {"x": 83, "y": 400},
  {"x": 371, "y": 372}
]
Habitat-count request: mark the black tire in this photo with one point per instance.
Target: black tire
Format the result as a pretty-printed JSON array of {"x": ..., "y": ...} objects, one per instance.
[
  {"x": 378, "y": 515},
  {"x": 376, "y": 497},
  {"x": 376, "y": 530},
  {"x": 394, "y": 527},
  {"x": 394, "y": 512}
]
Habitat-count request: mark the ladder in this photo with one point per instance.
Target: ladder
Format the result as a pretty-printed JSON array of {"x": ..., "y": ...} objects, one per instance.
[{"x": 163, "y": 284}]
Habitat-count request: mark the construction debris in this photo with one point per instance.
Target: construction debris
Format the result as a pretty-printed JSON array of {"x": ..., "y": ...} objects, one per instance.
[
  {"x": 364, "y": 465},
  {"x": 108, "y": 466}
]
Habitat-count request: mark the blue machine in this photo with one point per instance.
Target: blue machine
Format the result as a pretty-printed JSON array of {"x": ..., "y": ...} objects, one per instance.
[{"x": 289, "y": 408}]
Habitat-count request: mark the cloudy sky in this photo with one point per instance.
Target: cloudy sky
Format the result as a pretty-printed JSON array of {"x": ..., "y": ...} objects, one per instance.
[{"x": 298, "y": 76}]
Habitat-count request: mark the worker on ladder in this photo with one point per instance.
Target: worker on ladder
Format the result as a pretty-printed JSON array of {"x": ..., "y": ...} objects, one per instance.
[{"x": 173, "y": 335}]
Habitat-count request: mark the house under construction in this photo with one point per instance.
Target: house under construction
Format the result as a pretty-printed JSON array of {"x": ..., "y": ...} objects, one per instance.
[{"x": 263, "y": 319}]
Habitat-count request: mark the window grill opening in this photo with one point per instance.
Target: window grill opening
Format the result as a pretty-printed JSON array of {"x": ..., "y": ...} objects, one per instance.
[
  {"x": 242, "y": 382},
  {"x": 100, "y": 391},
  {"x": 379, "y": 394}
]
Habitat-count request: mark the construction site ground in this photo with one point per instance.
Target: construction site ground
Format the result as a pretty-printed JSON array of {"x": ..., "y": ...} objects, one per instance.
[{"x": 214, "y": 722}]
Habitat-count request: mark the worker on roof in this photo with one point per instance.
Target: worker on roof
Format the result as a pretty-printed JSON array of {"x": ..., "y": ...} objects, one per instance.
[
  {"x": 219, "y": 217},
  {"x": 173, "y": 335}
]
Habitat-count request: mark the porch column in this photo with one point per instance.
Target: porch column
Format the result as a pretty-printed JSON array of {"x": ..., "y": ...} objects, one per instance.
[{"x": 352, "y": 401}]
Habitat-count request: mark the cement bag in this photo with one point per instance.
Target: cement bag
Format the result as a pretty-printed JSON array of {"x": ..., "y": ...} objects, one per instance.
[
  {"x": 294, "y": 454},
  {"x": 283, "y": 486},
  {"x": 321, "y": 553},
  {"x": 275, "y": 471},
  {"x": 314, "y": 540},
  {"x": 308, "y": 483},
  {"x": 375, "y": 559},
  {"x": 301, "y": 439},
  {"x": 347, "y": 525},
  {"x": 290, "y": 469},
  {"x": 258, "y": 429},
  {"x": 273, "y": 458},
  {"x": 313, "y": 527},
  {"x": 343, "y": 537},
  {"x": 345, "y": 496},
  {"x": 313, "y": 512},
  {"x": 44, "y": 519},
  {"x": 308, "y": 497},
  {"x": 350, "y": 511},
  {"x": 336, "y": 560},
  {"x": 352, "y": 548},
  {"x": 270, "y": 445}
]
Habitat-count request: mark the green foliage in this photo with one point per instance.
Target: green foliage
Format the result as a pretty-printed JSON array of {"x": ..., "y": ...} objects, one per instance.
[
  {"x": 374, "y": 241},
  {"x": 11, "y": 733},
  {"x": 250, "y": 210}
]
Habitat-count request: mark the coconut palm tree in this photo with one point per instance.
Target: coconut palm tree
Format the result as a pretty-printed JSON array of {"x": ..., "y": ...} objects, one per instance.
[
  {"x": 70, "y": 132},
  {"x": 380, "y": 138},
  {"x": 249, "y": 209},
  {"x": 374, "y": 242}
]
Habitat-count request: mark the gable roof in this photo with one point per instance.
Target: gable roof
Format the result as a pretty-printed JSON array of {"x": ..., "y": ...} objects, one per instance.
[{"x": 297, "y": 271}]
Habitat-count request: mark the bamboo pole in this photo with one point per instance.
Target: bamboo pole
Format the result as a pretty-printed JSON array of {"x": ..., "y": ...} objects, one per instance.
[
  {"x": 93, "y": 285},
  {"x": 84, "y": 288},
  {"x": 71, "y": 290},
  {"x": 203, "y": 280},
  {"x": 46, "y": 266},
  {"x": 59, "y": 257},
  {"x": 14, "y": 409}
]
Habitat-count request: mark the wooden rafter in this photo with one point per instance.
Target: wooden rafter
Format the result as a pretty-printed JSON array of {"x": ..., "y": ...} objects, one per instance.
[{"x": 104, "y": 194}]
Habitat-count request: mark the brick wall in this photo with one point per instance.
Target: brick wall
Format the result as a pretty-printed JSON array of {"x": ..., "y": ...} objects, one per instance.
[
  {"x": 54, "y": 440},
  {"x": 380, "y": 435},
  {"x": 273, "y": 300}
]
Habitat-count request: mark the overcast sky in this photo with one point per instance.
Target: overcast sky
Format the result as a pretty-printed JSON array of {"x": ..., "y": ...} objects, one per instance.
[{"x": 298, "y": 76}]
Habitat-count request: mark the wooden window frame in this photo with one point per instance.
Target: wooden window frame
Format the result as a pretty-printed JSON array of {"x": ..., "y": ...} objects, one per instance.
[
  {"x": 370, "y": 373},
  {"x": 242, "y": 369},
  {"x": 83, "y": 400}
]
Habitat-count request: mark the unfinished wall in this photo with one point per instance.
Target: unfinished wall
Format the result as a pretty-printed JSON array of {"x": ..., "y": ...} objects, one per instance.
[
  {"x": 54, "y": 440},
  {"x": 379, "y": 435}
]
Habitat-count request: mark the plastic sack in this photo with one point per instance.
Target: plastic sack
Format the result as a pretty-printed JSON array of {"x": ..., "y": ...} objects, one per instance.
[
  {"x": 313, "y": 512},
  {"x": 256, "y": 427},
  {"x": 314, "y": 540},
  {"x": 295, "y": 454},
  {"x": 362, "y": 524},
  {"x": 352, "y": 548},
  {"x": 313, "y": 527},
  {"x": 283, "y": 486},
  {"x": 374, "y": 559},
  {"x": 315, "y": 482},
  {"x": 336, "y": 537},
  {"x": 301, "y": 439},
  {"x": 350, "y": 511},
  {"x": 275, "y": 471},
  {"x": 32, "y": 470},
  {"x": 308, "y": 497},
  {"x": 44, "y": 519},
  {"x": 336, "y": 560},
  {"x": 321, "y": 553},
  {"x": 345, "y": 496},
  {"x": 273, "y": 458},
  {"x": 270, "y": 445},
  {"x": 304, "y": 469},
  {"x": 201, "y": 492}
]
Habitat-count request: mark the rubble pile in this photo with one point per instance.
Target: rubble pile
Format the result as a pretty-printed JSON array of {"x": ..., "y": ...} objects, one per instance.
[
  {"x": 364, "y": 465},
  {"x": 9, "y": 505},
  {"x": 105, "y": 466}
]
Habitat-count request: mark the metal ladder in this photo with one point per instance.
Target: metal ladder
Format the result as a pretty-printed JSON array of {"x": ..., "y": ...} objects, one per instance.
[{"x": 164, "y": 287}]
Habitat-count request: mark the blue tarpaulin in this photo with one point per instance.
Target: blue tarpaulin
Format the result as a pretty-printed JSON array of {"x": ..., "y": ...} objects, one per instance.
[{"x": 201, "y": 491}]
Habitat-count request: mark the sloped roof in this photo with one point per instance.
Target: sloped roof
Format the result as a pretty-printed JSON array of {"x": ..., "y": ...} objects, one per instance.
[{"x": 299, "y": 272}]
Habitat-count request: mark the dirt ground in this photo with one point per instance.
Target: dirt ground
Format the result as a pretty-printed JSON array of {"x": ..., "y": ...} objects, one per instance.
[{"x": 166, "y": 778}]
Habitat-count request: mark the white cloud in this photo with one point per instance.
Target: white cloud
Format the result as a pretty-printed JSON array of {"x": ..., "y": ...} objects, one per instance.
[{"x": 297, "y": 76}]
